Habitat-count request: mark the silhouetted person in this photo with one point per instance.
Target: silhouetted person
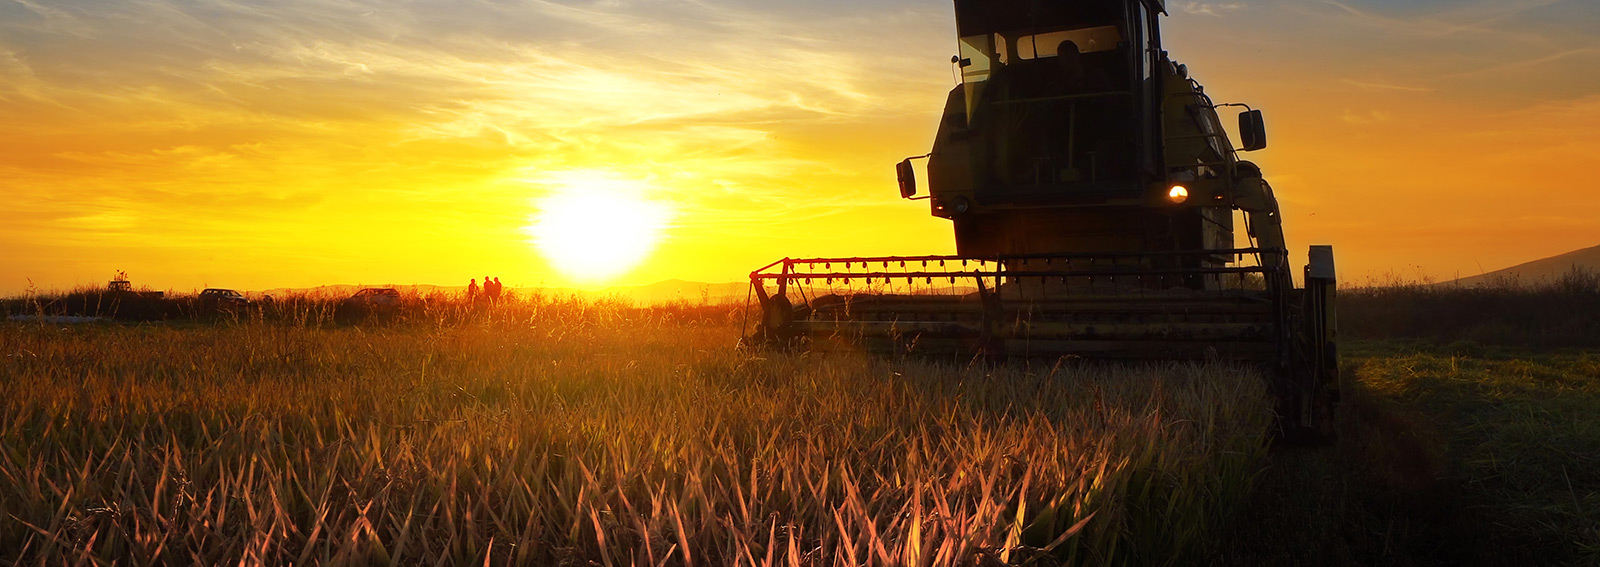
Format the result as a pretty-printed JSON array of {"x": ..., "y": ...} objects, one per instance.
[
  {"x": 472, "y": 290},
  {"x": 1078, "y": 76},
  {"x": 498, "y": 288}
]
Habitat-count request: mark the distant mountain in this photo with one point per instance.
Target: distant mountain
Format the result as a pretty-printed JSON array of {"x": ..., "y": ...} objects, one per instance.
[
  {"x": 1537, "y": 271},
  {"x": 652, "y": 294}
]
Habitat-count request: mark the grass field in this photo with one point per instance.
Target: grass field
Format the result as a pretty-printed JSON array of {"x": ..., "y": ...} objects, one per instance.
[
  {"x": 1483, "y": 457},
  {"x": 1468, "y": 435},
  {"x": 563, "y": 433},
  {"x": 550, "y": 432}
]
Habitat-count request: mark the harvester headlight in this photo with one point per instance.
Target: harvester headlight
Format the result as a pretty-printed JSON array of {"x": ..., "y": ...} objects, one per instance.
[{"x": 1178, "y": 194}]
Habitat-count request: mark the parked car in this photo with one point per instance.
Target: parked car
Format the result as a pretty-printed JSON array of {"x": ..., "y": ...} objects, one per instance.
[
  {"x": 375, "y": 297},
  {"x": 215, "y": 298},
  {"x": 371, "y": 304}
]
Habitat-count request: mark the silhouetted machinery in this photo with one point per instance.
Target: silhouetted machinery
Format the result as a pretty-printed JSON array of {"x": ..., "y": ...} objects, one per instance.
[{"x": 1094, "y": 194}]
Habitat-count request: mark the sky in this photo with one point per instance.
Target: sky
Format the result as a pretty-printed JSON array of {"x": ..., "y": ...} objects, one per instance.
[{"x": 257, "y": 144}]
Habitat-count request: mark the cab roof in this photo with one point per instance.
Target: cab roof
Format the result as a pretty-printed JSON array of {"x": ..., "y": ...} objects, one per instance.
[{"x": 978, "y": 17}]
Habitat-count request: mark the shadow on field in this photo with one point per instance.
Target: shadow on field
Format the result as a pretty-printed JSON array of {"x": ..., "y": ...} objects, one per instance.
[{"x": 1392, "y": 491}]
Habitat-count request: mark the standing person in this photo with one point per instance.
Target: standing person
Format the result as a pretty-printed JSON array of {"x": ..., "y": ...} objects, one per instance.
[
  {"x": 498, "y": 288},
  {"x": 472, "y": 290},
  {"x": 488, "y": 289}
]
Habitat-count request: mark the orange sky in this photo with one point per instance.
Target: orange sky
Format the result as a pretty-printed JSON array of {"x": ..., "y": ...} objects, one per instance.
[{"x": 301, "y": 142}]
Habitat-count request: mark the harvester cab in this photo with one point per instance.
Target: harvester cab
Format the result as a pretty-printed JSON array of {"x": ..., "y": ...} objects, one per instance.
[{"x": 1093, "y": 192}]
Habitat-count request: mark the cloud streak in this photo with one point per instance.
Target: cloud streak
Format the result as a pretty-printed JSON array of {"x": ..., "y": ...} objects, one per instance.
[
  {"x": 1384, "y": 86},
  {"x": 1210, "y": 8}
]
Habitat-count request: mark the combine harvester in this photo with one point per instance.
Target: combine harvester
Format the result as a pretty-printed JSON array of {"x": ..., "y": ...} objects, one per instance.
[{"x": 1094, "y": 194}]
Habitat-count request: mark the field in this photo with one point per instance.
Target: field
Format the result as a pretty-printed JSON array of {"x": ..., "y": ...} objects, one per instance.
[
  {"x": 546, "y": 433},
  {"x": 542, "y": 431},
  {"x": 1446, "y": 457},
  {"x": 1468, "y": 435}
]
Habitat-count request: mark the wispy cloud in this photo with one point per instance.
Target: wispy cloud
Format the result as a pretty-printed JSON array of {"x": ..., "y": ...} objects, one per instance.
[
  {"x": 1523, "y": 63},
  {"x": 1385, "y": 86},
  {"x": 1477, "y": 18},
  {"x": 1365, "y": 118},
  {"x": 51, "y": 19},
  {"x": 1210, "y": 8}
]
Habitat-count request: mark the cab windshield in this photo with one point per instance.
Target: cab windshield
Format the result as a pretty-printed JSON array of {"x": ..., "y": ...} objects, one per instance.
[
  {"x": 980, "y": 54},
  {"x": 1088, "y": 40},
  {"x": 984, "y": 55}
]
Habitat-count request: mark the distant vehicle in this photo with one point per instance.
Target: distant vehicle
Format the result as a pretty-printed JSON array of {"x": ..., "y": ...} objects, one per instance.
[
  {"x": 121, "y": 285},
  {"x": 223, "y": 298},
  {"x": 373, "y": 303},
  {"x": 375, "y": 297}
]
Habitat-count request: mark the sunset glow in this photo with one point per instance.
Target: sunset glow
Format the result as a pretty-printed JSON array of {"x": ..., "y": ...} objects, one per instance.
[
  {"x": 593, "y": 228},
  {"x": 305, "y": 142}
]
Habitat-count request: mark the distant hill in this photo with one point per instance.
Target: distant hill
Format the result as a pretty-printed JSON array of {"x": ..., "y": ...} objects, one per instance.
[
  {"x": 652, "y": 294},
  {"x": 679, "y": 290},
  {"x": 1537, "y": 271}
]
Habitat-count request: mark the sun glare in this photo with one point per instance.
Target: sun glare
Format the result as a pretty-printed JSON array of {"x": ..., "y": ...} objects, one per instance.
[{"x": 595, "y": 227}]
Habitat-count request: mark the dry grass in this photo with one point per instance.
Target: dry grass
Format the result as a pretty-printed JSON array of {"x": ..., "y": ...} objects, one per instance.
[{"x": 566, "y": 433}]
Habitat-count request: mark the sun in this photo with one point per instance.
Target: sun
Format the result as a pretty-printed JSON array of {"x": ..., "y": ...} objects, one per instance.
[{"x": 594, "y": 227}]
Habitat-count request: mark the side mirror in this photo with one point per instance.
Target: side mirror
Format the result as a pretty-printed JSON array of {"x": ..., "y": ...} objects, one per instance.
[
  {"x": 908, "y": 179},
  {"x": 1252, "y": 131}
]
